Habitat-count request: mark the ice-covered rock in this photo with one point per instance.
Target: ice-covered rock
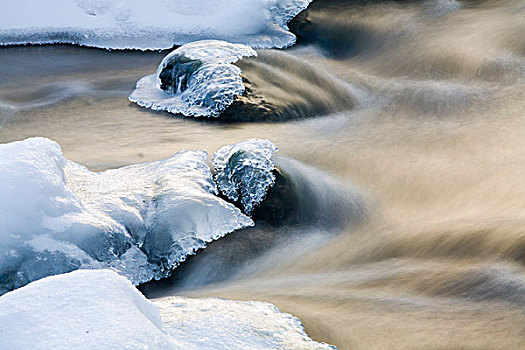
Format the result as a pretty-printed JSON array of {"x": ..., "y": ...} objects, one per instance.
[
  {"x": 102, "y": 310},
  {"x": 141, "y": 220},
  {"x": 244, "y": 171},
  {"x": 148, "y": 25},
  {"x": 197, "y": 79}
]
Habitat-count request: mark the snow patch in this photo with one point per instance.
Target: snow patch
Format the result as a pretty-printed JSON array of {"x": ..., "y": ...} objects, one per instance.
[
  {"x": 148, "y": 25},
  {"x": 102, "y": 310}
]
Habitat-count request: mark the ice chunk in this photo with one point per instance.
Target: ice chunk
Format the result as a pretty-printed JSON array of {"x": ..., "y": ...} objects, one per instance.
[
  {"x": 197, "y": 79},
  {"x": 148, "y": 25},
  {"x": 244, "y": 171},
  {"x": 142, "y": 220},
  {"x": 102, "y": 310}
]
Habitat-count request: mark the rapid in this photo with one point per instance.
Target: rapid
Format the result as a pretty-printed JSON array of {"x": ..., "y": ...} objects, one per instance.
[{"x": 401, "y": 126}]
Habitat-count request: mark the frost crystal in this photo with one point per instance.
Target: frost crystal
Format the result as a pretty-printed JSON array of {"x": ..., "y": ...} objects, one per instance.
[{"x": 244, "y": 171}]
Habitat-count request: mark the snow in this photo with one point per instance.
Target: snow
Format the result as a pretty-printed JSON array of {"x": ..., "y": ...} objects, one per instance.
[
  {"x": 80, "y": 310},
  {"x": 241, "y": 325},
  {"x": 197, "y": 79},
  {"x": 148, "y": 25},
  {"x": 244, "y": 171},
  {"x": 102, "y": 310},
  {"x": 142, "y": 220}
]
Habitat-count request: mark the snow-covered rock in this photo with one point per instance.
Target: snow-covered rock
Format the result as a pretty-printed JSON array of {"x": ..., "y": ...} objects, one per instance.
[
  {"x": 197, "y": 79},
  {"x": 142, "y": 220},
  {"x": 102, "y": 310},
  {"x": 244, "y": 171},
  {"x": 148, "y": 25}
]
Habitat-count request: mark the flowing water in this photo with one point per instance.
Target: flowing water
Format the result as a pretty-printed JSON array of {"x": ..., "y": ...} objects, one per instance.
[{"x": 414, "y": 111}]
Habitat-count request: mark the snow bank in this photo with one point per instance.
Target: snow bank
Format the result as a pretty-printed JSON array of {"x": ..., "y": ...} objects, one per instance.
[
  {"x": 245, "y": 171},
  {"x": 102, "y": 310},
  {"x": 142, "y": 220},
  {"x": 80, "y": 310},
  {"x": 148, "y": 25},
  {"x": 197, "y": 79}
]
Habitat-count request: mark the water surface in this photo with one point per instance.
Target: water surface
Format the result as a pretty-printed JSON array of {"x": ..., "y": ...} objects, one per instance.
[{"x": 418, "y": 106}]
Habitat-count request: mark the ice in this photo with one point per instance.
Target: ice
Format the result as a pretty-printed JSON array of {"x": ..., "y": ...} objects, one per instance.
[
  {"x": 102, "y": 310},
  {"x": 141, "y": 220},
  {"x": 148, "y": 25},
  {"x": 234, "y": 325},
  {"x": 244, "y": 171},
  {"x": 197, "y": 79}
]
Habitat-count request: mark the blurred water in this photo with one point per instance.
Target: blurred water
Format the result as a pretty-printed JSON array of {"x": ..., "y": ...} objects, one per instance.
[{"x": 418, "y": 105}]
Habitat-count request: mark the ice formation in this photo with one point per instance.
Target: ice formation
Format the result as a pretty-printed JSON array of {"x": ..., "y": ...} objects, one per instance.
[
  {"x": 148, "y": 25},
  {"x": 102, "y": 310},
  {"x": 244, "y": 171},
  {"x": 197, "y": 79},
  {"x": 141, "y": 220},
  {"x": 234, "y": 324}
]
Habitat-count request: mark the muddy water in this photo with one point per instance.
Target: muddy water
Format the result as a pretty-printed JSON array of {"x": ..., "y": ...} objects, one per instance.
[{"x": 417, "y": 106}]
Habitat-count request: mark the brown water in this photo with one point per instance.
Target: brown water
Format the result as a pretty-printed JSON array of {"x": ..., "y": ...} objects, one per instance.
[{"x": 420, "y": 107}]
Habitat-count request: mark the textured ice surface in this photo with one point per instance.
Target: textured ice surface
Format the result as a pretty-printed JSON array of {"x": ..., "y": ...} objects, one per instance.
[
  {"x": 148, "y": 25},
  {"x": 197, "y": 79},
  {"x": 235, "y": 324},
  {"x": 142, "y": 220},
  {"x": 102, "y": 310},
  {"x": 244, "y": 171}
]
